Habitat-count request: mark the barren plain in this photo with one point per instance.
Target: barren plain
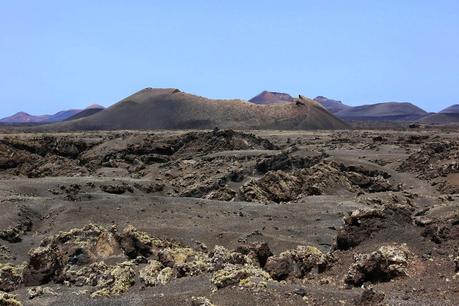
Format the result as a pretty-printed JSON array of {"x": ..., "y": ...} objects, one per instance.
[{"x": 225, "y": 217}]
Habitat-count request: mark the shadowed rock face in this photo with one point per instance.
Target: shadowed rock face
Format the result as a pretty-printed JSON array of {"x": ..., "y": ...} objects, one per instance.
[
  {"x": 361, "y": 225},
  {"x": 383, "y": 265},
  {"x": 436, "y": 160},
  {"x": 321, "y": 178}
]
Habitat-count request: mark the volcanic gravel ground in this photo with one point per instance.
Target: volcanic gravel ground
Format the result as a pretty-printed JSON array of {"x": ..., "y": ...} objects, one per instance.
[{"x": 230, "y": 218}]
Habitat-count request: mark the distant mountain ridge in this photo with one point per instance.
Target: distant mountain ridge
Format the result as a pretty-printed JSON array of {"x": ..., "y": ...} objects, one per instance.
[
  {"x": 388, "y": 111},
  {"x": 333, "y": 106},
  {"x": 385, "y": 111},
  {"x": 23, "y": 117}
]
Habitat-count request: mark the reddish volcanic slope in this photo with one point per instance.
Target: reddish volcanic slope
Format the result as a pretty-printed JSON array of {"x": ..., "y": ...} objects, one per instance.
[
  {"x": 23, "y": 117},
  {"x": 269, "y": 97}
]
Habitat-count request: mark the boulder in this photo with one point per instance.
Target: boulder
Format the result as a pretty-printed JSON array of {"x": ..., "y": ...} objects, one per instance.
[
  {"x": 248, "y": 276},
  {"x": 258, "y": 252},
  {"x": 382, "y": 265},
  {"x": 79, "y": 246},
  {"x": 10, "y": 277},
  {"x": 220, "y": 256},
  {"x": 274, "y": 186},
  {"x": 296, "y": 263},
  {"x": 370, "y": 297},
  {"x": 7, "y": 299},
  {"x": 361, "y": 224},
  {"x": 39, "y": 291},
  {"x": 148, "y": 275},
  {"x": 222, "y": 194},
  {"x": 44, "y": 263},
  {"x": 117, "y": 188},
  {"x": 137, "y": 243},
  {"x": 200, "y": 301},
  {"x": 108, "y": 280}
]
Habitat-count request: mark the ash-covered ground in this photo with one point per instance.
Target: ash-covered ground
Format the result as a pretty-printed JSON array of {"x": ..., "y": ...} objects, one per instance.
[{"x": 230, "y": 218}]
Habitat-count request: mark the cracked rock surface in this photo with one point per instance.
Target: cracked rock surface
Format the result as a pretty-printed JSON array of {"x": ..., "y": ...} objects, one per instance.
[{"x": 227, "y": 217}]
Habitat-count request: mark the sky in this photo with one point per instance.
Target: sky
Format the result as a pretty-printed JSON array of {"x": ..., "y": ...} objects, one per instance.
[{"x": 57, "y": 55}]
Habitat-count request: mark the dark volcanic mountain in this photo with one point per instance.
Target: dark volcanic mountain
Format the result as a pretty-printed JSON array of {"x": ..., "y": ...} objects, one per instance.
[
  {"x": 270, "y": 97},
  {"x": 441, "y": 119},
  {"x": 448, "y": 116},
  {"x": 333, "y": 106},
  {"x": 89, "y": 111},
  {"x": 62, "y": 115},
  {"x": 453, "y": 109},
  {"x": 173, "y": 109},
  {"x": 388, "y": 111}
]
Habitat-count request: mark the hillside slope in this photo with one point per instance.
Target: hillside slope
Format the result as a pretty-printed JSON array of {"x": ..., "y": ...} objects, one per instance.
[
  {"x": 271, "y": 97},
  {"x": 63, "y": 115},
  {"x": 333, "y": 106},
  {"x": 402, "y": 111},
  {"x": 453, "y": 109},
  {"x": 441, "y": 119},
  {"x": 173, "y": 109},
  {"x": 84, "y": 113}
]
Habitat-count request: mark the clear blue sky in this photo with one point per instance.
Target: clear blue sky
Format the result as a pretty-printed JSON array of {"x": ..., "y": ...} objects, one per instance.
[{"x": 62, "y": 54}]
